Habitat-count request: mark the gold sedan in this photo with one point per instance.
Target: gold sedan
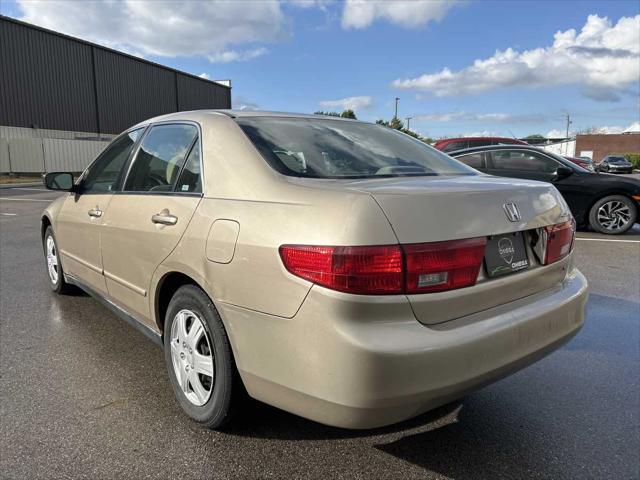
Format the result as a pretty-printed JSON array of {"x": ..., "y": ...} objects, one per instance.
[{"x": 340, "y": 270}]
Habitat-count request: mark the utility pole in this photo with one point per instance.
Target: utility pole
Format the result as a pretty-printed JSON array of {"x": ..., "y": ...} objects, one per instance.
[
  {"x": 408, "y": 119},
  {"x": 569, "y": 122},
  {"x": 396, "y": 115}
]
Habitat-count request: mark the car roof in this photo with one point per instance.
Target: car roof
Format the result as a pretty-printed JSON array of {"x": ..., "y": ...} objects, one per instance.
[
  {"x": 459, "y": 139},
  {"x": 246, "y": 113},
  {"x": 497, "y": 147},
  {"x": 200, "y": 115}
]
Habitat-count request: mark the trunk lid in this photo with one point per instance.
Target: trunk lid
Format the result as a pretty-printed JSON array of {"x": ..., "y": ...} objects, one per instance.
[{"x": 432, "y": 209}]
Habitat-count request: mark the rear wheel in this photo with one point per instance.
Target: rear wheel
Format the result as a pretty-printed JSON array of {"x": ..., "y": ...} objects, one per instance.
[
  {"x": 54, "y": 266},
  {"x": 613, "y": 215},
  {"x": 199, "y": 358}
]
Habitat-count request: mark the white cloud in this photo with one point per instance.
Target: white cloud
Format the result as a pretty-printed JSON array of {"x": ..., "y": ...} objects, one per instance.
[
  {"x": 349, "y": 103},
  {"x": 481, "y": 117},
  {"x": 555, "y": 133},
  {"x": 235, "y": 56},
  {"x": 633, "y": 128},
  {"x": 205, "y": 76},
  {"x": 169, "y": 28},
  {"x": 407, "y": 13},
  {"x": 603, "y": 58},
  {"x": 241, "y": 103},
  {"x": 483, "y": 133},
  {"x": 613, "y": 129},
  {"x": 607, "y": 130}
]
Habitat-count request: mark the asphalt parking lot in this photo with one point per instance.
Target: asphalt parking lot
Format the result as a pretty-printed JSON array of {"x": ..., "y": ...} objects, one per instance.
[{"x": 82, "y": 394}]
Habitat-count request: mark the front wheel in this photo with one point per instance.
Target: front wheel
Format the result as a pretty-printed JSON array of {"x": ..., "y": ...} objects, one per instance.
[
  {"x": 199, "y": 359},
  {"x": 613, "y": 215},
  {"x": 54, "y": 266}
]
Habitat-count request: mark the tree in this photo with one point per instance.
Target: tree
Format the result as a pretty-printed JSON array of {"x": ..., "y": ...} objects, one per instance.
[
  {"x": 397, "y": 124},
  {"x": 327, "y": 114},
  {"x": 345, "y": 114},
  {"x": 537, "y": 136},
  {"x": 349, "y": 114}
]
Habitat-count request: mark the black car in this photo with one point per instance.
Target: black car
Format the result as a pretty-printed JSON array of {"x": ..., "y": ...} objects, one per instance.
[
  {"x": 614, "y": 164},
  {"x": 607, "y": 203}
]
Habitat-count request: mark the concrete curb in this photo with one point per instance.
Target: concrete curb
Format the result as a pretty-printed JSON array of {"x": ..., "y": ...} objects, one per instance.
[{"x": 18, "y": 185}]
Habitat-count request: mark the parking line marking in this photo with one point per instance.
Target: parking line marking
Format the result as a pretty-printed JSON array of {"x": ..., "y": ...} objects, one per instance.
[
  {"x": 607, "y": 240},
  {"x": 8, "y": 214},
  {"x": 30, "y": 189},
  {"x": 25, "y": 199}
]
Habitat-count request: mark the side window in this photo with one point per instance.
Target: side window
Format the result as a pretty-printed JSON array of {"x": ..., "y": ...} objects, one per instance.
[
  {"x": 160, "y": 157},
  {"x": 190, "y": 177},
  {"x": 474, "y": 160},
  {"x": 455, "y": 146},
  {"x": 103, "y": 174},
  {"x": 523, "y": 161},
  {"x": 481, "y": 142}
]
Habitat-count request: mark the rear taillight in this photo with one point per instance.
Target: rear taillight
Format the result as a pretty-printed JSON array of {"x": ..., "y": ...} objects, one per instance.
[
  {"x": 559, "y": 241},
  {"x": 390, "y": 269},
  {"x": 362, "y": 270},
  {"x": 439, "y": 266}
]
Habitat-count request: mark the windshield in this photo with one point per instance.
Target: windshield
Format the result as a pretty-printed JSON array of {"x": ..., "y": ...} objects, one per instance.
[
  {"x": 319, "y": 148},
  {"x": 569, "y": 163},
  {"x": 617, "y": 160}
]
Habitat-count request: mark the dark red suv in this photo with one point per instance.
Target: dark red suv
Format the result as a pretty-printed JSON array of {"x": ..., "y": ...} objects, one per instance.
[{"x": 453, "y": 144}]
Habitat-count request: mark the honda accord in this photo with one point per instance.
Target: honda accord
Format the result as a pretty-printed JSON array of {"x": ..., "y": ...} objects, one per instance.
[{"x": 336, "y": 269}]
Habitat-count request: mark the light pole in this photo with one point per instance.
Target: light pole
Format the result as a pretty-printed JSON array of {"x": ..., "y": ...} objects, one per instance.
[
  {"x": 566, "y": 141},
  {"x": 408, "y": 119},
  {"x": 396, "y": 115}
]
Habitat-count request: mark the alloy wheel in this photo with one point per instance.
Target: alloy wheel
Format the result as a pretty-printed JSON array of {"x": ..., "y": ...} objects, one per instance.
[
  {"x": 52, "y": 259},
  {"x": 614, "y": 215},
  {"x": 192, "y": 357}
]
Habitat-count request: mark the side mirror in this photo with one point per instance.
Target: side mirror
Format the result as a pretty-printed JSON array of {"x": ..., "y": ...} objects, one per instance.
[
  {"x": 563, "y": 172},
  {"x": 59, "y": 181}
]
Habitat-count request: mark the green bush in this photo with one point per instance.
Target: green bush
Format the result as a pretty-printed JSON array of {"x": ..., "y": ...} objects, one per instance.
[{"x": 634, "y": 158}]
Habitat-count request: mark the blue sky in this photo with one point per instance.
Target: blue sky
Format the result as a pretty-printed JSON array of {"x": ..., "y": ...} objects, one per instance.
[{"x": 293, "y": 56}]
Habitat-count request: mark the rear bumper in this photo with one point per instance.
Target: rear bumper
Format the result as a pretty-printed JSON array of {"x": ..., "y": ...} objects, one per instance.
[{"x": 366, "y": 362}]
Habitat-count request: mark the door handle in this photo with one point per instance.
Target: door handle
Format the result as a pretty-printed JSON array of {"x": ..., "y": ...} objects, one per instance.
[
  {"x": 164, "y": 218},
  {"x": 95, "y": 212}
]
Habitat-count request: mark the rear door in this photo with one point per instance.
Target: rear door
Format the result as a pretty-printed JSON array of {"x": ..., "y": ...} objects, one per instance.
[
  {"x": 522, "y": 164},
  {"x": 148, "y": 217},
  {"x": 79, "y": 223},
  {"x": 474, "y": 160}
]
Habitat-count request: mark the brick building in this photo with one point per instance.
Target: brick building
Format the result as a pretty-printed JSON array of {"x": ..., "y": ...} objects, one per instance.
[{"x": 598, "y": 146}]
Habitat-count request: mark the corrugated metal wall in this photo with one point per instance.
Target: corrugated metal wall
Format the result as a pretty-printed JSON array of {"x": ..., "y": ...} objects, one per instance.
[
  {"x": 5, "y": 164},
  {"x": 131, "y": 91},
  {"x": 18, "y": 132},
  {"x": 28, "y": 154},
  {"x": 46, "y": 80},
  {"x": 25, "y": 150},
  {"x": 57, "y": 82},
  {"x": 194, "y": 94},
  {"x": 69, "y": 155}
]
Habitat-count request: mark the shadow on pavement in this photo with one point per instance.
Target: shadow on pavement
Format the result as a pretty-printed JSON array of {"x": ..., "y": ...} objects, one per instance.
[{"x": 259, "y": 420}]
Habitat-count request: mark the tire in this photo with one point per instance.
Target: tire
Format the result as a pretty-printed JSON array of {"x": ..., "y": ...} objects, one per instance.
[
  {"x": 54, "y": 266},
  {"x": 613, "y": 215},
  {"x": 191, "y": 307}
]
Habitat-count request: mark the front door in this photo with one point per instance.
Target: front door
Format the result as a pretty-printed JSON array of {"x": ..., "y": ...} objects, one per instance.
[
  {"x": 146, "y": 220},
  {"x": 78, "y": 225}
]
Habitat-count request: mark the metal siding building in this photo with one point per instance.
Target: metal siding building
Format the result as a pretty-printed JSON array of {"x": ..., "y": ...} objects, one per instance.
[{"x": 50, "y": 82}]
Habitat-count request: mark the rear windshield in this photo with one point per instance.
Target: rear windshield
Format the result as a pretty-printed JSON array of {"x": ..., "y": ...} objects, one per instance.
[
  {"x": 319, "y": 148},
  {"x": 617, "y": 160}
]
